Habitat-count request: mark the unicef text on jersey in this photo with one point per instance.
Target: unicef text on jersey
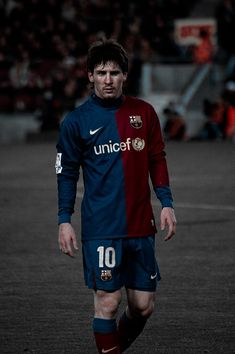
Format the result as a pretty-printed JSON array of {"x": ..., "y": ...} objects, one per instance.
[{"x": 137, "y": 144}]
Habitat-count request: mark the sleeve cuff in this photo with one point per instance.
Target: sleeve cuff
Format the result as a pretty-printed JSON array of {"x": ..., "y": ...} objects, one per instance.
[
  {"x": 167, "y": 203},
  {"x": 164, "y": 195},
  {"x": 64, "y": 218}
]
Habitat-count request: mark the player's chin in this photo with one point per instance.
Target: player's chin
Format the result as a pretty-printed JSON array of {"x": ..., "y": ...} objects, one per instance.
[{"x": 109, "y": 94}]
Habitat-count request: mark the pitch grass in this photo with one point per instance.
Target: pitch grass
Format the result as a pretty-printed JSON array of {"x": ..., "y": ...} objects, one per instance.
[{"x": 44, "y": 305}]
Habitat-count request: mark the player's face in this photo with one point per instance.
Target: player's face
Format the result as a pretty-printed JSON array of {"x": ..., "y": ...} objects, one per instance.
[{"x": 108, "y": 80}]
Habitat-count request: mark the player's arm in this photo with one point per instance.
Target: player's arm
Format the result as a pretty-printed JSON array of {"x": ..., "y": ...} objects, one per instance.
[
  {"x": 167, "y": 216},
  {"x": 159, "y": 176},
  {"x": 67, "y": 169}
]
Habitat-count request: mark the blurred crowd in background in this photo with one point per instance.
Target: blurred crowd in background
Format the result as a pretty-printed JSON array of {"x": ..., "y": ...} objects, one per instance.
[{"x": 44, "y": 43}]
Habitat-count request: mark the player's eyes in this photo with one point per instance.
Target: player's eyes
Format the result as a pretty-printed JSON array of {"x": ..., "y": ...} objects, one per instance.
[{"x": 103, "y": 73}]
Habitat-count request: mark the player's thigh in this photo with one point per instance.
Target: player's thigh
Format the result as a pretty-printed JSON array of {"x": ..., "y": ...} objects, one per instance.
[
  {"x": 106, "y": 303},
  {"x": 102, "y": 264},
  {"x": 142, "y": 271}
]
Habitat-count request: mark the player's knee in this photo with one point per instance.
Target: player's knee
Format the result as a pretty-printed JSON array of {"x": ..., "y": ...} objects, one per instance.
[
  {"x": 106, "y": 304},
  {"x": 148, "y": 310},
  {"x": 142, "y": 309}
]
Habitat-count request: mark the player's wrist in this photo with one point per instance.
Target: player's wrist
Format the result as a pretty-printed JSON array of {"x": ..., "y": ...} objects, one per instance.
[
  {"x": 167, "y": 203},
  {"x": 164, "y": 195},
  {"x": 64, "y": 219}
]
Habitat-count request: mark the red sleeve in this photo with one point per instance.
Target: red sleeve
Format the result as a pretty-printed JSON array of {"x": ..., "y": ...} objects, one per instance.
[{"x": 157, "y": 161}]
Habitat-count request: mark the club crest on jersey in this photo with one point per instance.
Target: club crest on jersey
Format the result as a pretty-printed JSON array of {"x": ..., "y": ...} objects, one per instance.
[
  {"x": 106, "y": 274},
  {"x": 136, "y": 122},
  {"x": 138, "y": 144}
]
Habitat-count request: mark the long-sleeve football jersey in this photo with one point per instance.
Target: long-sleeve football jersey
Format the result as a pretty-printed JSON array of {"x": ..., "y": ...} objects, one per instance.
[{"x": 118, "y": 145}]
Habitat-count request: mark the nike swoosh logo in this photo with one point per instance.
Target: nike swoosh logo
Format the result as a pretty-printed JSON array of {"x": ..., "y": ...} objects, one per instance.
[
  {"x": 92, "y": 132},
  {"x": 108, "y": 350},
  {"x": 153, "y": 276}
]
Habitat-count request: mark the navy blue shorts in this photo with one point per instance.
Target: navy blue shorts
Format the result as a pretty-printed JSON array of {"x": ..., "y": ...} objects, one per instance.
[{"x": 112, "y": 264}]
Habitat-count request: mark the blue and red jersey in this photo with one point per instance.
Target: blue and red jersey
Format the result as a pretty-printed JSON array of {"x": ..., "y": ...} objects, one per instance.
[{"x": 119, "y": 146}]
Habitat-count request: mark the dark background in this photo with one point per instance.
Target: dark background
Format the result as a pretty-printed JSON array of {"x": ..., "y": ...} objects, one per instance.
[{"x": 44, "y": 306}]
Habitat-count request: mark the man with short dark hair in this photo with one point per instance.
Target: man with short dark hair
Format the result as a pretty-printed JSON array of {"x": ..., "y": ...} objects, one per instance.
[{"x": 117, "y": 142}]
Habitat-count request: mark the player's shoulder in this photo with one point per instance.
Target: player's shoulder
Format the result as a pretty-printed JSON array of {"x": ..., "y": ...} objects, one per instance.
[
  {"x": 138, "y": 103},
  {"x": 75, "y": 116}
]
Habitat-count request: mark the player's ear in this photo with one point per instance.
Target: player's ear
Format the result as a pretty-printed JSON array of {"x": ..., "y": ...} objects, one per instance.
[
  {"x": 90, "y": 76},
  {"x": 124, "y": 77}
]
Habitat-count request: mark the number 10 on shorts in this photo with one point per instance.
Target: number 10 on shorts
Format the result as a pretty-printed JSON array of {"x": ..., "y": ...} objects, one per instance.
[{"x": 107, "y": 257}]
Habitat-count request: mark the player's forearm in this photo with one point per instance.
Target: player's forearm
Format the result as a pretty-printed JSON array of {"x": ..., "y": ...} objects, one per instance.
[
  {"x": 164, "y": 195},
  {"x": 67, "y": 189},
  {"x": 158, "y": 170}
]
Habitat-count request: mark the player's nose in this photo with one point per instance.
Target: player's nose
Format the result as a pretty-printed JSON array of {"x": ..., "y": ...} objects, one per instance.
[{"x": 108, "y": 78}]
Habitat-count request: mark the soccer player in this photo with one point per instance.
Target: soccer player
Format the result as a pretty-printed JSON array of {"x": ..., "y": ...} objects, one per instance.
[{"x": 116, "y": 140}]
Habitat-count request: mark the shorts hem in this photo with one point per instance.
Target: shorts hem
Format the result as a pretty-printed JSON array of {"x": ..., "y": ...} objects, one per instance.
[
  {"x": 95, "y": 288},
  {"x": 153, "y": 289}
]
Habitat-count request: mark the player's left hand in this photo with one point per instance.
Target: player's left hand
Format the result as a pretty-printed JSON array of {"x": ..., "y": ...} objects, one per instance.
[{"x": 168, "y": 218}]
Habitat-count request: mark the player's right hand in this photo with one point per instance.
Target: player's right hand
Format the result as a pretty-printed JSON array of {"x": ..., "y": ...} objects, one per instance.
[{"x": 67, "y": 239}]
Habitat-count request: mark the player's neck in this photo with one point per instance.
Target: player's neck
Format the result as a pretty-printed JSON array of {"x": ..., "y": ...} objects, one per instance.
[{"x": 109, "y": 103}]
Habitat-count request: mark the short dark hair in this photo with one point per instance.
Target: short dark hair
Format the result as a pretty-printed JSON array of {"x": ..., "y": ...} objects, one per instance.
[{"x": 104, "y": 51}]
